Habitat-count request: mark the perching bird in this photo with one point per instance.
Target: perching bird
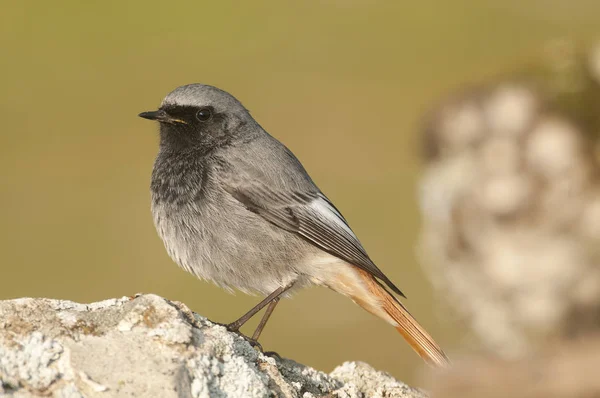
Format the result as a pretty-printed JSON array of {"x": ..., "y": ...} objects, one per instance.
[{"x": 234, "y": 206}]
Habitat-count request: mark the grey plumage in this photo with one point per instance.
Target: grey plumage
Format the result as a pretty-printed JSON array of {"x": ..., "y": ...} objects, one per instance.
[
  {"x": 234, "y": 206},
  {"x": 237, "y": 208}
]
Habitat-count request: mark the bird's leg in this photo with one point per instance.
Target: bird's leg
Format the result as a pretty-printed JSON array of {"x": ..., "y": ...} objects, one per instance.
[
  {"x": 261, "y": 326},
  {"x": 236, "y": 325},
  {"x": 271, "y": 300},
  {"x": 265, "y": 318}
]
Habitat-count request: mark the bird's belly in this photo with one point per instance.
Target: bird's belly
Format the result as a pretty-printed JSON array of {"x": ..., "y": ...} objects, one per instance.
[{"x": 235, "y": 250}]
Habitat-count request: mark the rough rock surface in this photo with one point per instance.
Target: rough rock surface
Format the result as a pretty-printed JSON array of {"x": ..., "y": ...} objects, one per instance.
[{"x": 147, "y": 346}]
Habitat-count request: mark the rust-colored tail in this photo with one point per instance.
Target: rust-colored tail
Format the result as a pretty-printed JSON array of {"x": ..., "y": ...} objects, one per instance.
[{"x": 387, "y": 307}]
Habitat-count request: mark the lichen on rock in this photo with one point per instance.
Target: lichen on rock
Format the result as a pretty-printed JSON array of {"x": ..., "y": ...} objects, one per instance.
[{"x": 147, "y": 346}]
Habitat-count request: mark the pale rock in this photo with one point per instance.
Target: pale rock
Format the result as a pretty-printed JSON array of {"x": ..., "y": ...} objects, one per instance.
[{"x": 147, "y": 346}]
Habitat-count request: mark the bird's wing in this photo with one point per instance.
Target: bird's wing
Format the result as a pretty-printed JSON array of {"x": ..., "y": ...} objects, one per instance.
[{"x": 310, "y": 215}]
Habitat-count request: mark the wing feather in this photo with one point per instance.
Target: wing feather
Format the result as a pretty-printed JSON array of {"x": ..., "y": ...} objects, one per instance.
[{"x": 313, "y": 217}]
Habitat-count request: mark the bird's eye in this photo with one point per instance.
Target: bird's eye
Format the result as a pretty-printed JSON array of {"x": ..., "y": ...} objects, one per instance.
[{"x": 204, "y": 114}]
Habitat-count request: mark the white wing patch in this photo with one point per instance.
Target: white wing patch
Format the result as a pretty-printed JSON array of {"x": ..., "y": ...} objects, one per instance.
[{"x": 324, "y": 210}]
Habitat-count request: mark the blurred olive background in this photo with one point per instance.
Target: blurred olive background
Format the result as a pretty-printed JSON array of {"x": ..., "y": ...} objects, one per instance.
[{"x": 342, "y": 83}]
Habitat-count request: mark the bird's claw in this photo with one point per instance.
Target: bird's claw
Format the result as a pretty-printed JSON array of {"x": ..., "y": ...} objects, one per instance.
[
  {"x": 254, "y": 343},
  {"x": 233, "y": 328}
]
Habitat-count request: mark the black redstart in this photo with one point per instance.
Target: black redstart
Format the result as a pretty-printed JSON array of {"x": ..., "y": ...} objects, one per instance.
[{"x": 234, "y": 206}]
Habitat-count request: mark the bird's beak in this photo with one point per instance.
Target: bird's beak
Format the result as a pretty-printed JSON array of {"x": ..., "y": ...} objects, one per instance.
[{"x": 160, "y": 116}]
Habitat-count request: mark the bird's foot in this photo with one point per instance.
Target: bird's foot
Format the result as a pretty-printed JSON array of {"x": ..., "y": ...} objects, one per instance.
[
  {"x": 254, "y": 343},
  {"x": 231, "y": 327},
  {"x": 234, "y": 329}
]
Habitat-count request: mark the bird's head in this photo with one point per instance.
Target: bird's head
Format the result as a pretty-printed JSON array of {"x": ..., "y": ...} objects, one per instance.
[{"x": 199, "y": 116}]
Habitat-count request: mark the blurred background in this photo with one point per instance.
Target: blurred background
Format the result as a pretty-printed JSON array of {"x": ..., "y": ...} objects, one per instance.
[{"x": 343, "y": 84}]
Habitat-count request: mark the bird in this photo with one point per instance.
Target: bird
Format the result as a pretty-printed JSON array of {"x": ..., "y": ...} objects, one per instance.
[{"x": 234, "y": 206}]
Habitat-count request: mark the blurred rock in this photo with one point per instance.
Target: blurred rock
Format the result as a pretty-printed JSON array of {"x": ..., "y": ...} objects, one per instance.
[
  {"x": 510, "y": 199},
  {"x": 150, "y": 347},
  {"x": 567, "y": 370}
]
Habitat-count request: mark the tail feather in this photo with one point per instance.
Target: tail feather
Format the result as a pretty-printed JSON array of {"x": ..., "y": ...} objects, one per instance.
[{"x": 405, "y": 323}]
